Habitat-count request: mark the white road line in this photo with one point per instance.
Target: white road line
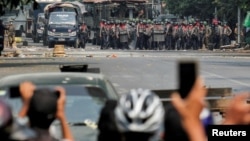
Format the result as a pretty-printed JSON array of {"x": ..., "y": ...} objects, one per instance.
[
  {"x": 228, "y": 79},
  {"x": 116, "y": 84}
]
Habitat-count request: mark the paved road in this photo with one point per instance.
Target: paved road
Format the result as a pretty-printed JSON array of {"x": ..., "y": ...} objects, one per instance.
[{"x": 146, "y": 69}]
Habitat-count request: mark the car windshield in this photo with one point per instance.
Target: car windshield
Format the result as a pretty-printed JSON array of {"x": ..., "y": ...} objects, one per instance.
[
  {"x": 62, "y": 18},
  {"x": 82, "y": 103}
]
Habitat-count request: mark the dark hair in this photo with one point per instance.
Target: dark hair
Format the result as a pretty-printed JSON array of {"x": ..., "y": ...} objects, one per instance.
[
  {"x": 43, "y": 107},
  {"x": 137, "y": 136},
  {"x": 174, "y": 130},
  {"x": 108, "y": 130}
]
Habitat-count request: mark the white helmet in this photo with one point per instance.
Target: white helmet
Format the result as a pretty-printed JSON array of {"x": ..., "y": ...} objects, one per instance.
[{"x": 139, "y": 111}]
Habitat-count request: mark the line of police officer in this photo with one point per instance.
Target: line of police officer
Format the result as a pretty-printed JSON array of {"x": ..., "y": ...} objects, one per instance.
[{"x": 157, "y": 35}]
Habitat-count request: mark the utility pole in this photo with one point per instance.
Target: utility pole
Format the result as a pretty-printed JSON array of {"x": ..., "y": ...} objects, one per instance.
[
  {"x": 239, "y": 25},
  {"x": 215, "y": 13}
]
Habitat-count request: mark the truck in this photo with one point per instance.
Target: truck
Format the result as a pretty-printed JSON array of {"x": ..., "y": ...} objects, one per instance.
[
  {"x": 62, "y": 28},
  {"x": 39, "y": 28},
  {"x": 75, "y": 7},
  {"x": 37, "y": 15}
]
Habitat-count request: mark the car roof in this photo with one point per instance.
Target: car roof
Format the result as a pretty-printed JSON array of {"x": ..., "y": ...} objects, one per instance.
[{"x": 52, "y": 78}]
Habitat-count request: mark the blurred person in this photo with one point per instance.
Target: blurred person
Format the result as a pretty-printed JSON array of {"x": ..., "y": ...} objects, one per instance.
[
  {"x": 139, "y": 115},
  {"x": 238, "y": 111},
  {"x": 217, "y": 34},
  {"x": 6, "y": 121},
  {"x": 11, "y": 34},
  {"x": 189, "y": 110},
  {"x": 208, "y": 33},
  {"x": 42, "y": 107},
  {"x": 174, "y": 129},
  {"x": 123, "y": 35},
  {"x": 236, "y": 33},
  {"x": 108, "y": 130},
  {"x": 11, "y": 129},
  {"x": 226, "y": 32},
  {"x": 84, "y": 35},
  {"x": 2, "y": 31}
]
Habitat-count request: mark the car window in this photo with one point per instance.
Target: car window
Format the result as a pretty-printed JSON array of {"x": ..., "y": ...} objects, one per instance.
[{"x": 82, "y": 103}]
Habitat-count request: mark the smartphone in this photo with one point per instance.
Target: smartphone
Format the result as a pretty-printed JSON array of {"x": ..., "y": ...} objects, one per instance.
[
  {"x": 14, "y": 92},
  {"x": 187, "y": 76}
]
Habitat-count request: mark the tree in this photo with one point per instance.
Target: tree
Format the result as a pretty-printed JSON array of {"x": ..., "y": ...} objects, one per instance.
[
  {"x": 196, "y": 8},
  {"x": 203, "y": 9},
  {"x": 12, "y": 4}
]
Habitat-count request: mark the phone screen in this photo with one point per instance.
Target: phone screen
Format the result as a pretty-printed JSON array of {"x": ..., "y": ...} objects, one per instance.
[{"x": 187, "y": 76}]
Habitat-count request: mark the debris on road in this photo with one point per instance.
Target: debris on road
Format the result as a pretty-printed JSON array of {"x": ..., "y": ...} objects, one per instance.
[
  {"x": 112, "y": 56},
  {"x": 59, "y": 51},
  {"x": 89, "y": 55},
  {"x": 15, "y": 53}
]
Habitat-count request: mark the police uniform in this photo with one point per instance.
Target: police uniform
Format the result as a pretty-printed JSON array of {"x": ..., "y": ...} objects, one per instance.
[
  {"x": 140, "y": 35},
  {"x": 102, "y": 33},
  {"x": 84, "y": 34},
  {"x": 158, "y": 35},
  {"x": 195, "y": 37},
  {"x": 208, "y": 33},
  {"x": 11, "y": 34},
  {"x": 123, "y": 35},
  {"x": 169, "y": 36},
  {"x": 225, "y": 34},
  {"x": 2, "y": 34},
  {"x": 148, "y": 35},
  {"x": 217, "y": 35}
]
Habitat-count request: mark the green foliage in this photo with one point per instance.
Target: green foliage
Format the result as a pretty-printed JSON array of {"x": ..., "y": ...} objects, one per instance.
[
  {"x": 12, "y": 4},
  {"x": 227, "y": 9},
  {"x": 196, "y": 8}
]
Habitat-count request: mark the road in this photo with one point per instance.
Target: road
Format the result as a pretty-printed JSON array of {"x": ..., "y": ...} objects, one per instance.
[{"x": 129, "y": 69}]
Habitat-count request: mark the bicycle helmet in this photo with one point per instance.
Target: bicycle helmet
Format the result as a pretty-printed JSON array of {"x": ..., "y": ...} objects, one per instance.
[{"x": 139, "y": 111}]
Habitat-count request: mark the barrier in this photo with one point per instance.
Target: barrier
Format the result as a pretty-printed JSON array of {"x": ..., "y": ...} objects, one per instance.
[
  {"x": 59, "y": 51},
  {"x": 217, "y": 98}
]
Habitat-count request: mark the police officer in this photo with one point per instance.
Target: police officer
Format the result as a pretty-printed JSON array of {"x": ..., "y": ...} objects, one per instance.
[
  {"x": 208, "y": 33},
  {"x": 140, "y": 34},
  {"x": 123, "y": 35},
  {"x": 84, "y": 34},
  {"x": 189, "y": 36},
  {"x": 148, "y": 35},
  {"x": 11, "y": 34},
  {"x": 217, "y": 34},
  {"x": 227, "y": 31},
  {"x": 2, "y": 31},
  {"x": 195, "y": 36},
  {"x": 102, "y": 33},
  {"x": 169, "y": 35},
  {"x": 112, "y": 34}
]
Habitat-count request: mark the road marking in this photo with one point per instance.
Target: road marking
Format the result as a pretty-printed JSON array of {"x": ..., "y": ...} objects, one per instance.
[
  {"x": 116, "y": 84},
  {"x": 228, "y": 79}
]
